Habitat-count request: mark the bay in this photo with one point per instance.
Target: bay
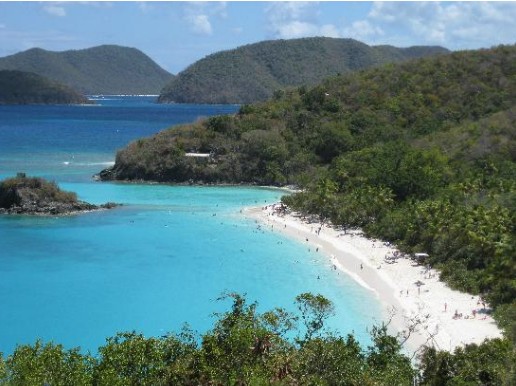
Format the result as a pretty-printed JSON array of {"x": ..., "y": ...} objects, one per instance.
[{"x": 160, "y": 260}]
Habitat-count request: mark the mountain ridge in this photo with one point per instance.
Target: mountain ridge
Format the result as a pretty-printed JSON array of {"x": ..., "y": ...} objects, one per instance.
[
  {"x": 105, "y": 69},
  {"x": 252, "y": 72}
]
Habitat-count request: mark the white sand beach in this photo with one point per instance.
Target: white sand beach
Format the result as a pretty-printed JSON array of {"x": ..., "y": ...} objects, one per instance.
[{"x": 429, "y": 306}]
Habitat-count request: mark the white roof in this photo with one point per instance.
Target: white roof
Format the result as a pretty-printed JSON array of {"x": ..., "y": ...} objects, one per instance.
[{"x": 200, "y": 155}]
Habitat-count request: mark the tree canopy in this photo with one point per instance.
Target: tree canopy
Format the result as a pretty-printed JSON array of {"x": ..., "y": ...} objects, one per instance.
[{"x": 246, "y": 347}]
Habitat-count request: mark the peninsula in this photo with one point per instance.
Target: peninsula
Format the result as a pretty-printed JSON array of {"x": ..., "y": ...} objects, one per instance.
[{"x": 24, "y": 88}]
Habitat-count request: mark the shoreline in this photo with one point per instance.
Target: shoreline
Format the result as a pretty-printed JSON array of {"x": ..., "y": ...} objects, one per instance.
[{"x": 423, "y": 314}]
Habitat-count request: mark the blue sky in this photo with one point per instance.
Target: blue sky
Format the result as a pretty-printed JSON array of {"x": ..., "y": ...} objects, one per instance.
[{"x": 176, "y": 34}]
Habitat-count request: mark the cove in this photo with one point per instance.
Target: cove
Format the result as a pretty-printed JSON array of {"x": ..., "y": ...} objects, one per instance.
[{"x": 157, "y": 262}]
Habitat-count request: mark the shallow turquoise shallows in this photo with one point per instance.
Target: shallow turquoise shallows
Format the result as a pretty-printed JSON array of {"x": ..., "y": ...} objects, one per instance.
[{"x": 157, "y": 262}]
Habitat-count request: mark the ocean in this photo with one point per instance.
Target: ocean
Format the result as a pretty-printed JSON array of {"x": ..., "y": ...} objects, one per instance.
[{"x": 160, "y": 260}]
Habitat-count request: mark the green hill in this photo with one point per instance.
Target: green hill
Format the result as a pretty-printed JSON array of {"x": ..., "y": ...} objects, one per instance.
[
  {"x": 17, "y": 87},
  {"x": 104, "y": 69},
  {"x": 253, "y": 72}
]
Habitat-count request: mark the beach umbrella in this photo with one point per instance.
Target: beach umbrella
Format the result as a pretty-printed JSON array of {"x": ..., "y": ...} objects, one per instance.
[{"x": 419, "y": 283}]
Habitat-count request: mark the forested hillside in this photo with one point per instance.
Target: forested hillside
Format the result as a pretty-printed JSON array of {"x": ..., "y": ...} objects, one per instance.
[
  {"x": 253, "y": 72},
  {"x": 17, "y": 87},
  {"x": 104, "y": 69},
  {"x": 421, "y": 154}
]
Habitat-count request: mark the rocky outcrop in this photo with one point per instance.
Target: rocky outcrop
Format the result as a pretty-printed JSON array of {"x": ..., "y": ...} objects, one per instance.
[{"x": 36, "y": 196}]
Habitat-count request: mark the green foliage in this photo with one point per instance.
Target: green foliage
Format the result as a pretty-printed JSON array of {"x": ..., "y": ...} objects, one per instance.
[
  {"x": 243, "y": 348},
  {"x": 246, "y": 347},
  {"x": 106, "y": 69},
  {"x": 15, "y": 190},
  {"x": 332, "y": 361},
  {"x": 131, "y": 359},
  {"x": 259, "y": 71},
  {"x": 387, "y": 363},
  {"x": 490, "y": 363},
  {"x": 406, "y": 171},
  {"x": 40, "y": 364},
  {"x": 17, "y": 87},
  {"x": 315, "y": 309}
]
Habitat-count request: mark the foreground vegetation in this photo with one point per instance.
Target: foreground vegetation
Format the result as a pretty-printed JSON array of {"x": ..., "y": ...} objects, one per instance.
[
  {"x": 253, "y": 72},
  {"x": 246, "y": 347}
]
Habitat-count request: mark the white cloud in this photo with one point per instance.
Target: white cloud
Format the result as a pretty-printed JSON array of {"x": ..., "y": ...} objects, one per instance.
[
  {"x": 289, "y": 20},
  {"x": 295, "y": 29},
  {"x": 54, "y": 10},
  {"x": 363, "y": 31},
  {"x": 454, "y": 25},
  {"x": 198, "y": 15},
  {"x": 200, "y": 24}
]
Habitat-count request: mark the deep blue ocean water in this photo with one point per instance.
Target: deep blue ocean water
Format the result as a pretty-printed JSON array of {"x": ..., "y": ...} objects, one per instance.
[{"x": 157, "y": 262}]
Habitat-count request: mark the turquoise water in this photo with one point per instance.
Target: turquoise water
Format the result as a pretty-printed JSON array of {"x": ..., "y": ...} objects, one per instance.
[{"x": 161, "y": 259}]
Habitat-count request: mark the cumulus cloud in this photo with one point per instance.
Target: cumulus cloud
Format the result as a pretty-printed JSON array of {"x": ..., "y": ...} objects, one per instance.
[
  {"x": 454, "y": 25},
  {"x": 288, "y": 20},
  {"x": 362, "y": 30},
  {"x": 198, "y": 15},
  {"x": 200, "y": 24},
  {"x": 451, "y": 24},
  {"x": 54, "y": 10}
]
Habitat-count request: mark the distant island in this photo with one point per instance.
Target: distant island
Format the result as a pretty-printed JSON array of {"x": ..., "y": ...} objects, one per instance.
[
  {"x": 36, "y": 196},
  {"x": 18, "y": 87},
  {"x": 254, "y": 72},
  {"x": 107, "y": 69}
]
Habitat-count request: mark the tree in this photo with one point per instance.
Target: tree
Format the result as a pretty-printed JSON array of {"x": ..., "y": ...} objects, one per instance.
[
  {"x": 48, "y": 363},
  {"x": 315, "y": 309}
]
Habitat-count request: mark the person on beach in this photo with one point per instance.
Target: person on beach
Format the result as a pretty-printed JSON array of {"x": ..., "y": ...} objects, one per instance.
[
  {"x": 361, "y": 266},
  {"x": 445, "y": 306}
]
